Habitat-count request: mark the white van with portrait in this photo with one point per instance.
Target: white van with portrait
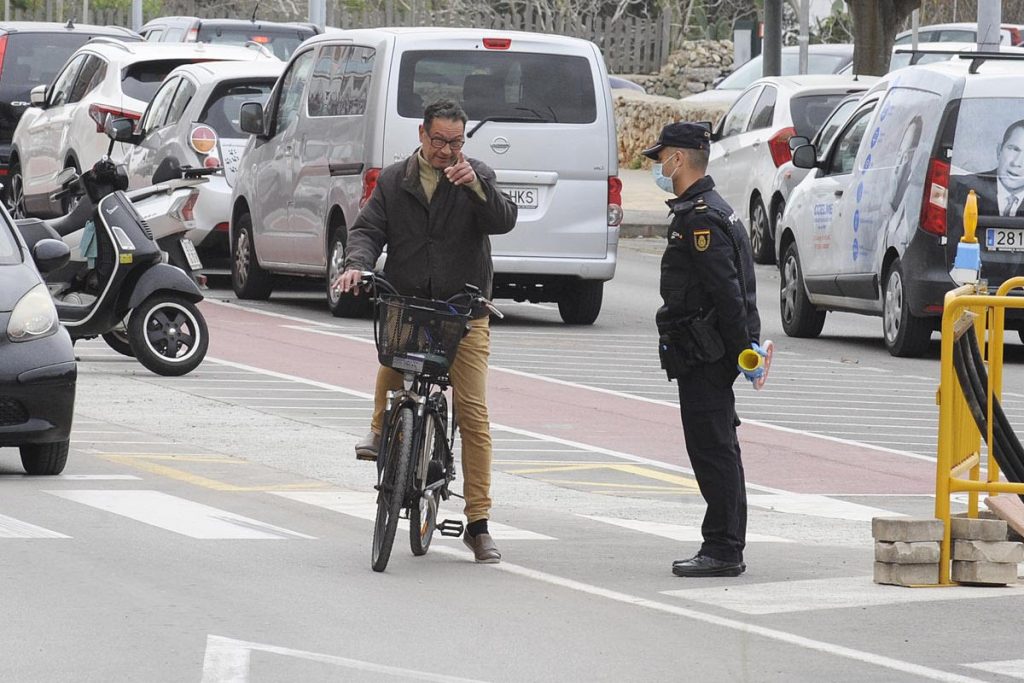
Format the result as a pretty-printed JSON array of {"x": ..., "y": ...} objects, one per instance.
[
  {"x": 874, "y": 227},
  {"x": 350, "y": 103}
]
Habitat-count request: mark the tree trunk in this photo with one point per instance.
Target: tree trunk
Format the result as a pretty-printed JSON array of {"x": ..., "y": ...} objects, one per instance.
[{"x": 875, "y": 23}]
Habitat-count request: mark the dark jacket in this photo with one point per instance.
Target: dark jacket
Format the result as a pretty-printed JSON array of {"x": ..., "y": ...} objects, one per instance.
[
  {"x": 708, "y": 266},
  {"x": 435, "y": 248}
]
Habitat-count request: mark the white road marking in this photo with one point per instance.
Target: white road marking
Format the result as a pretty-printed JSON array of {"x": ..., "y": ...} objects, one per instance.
[
  {"x": 675, "y": 532},
  {"x": 724, "y": 622},
  {"x": 363, "y": 504},
  {"x": 15, "y": 528},
  {"x": 818, "y": 506},
  {"x": 179, "y": 515},
  {"x": 228, "y": 661},
  {"x": 1011, "y": 668},
  {"x": 95, "y": 477},
  {"x": 784, "y": 597}
]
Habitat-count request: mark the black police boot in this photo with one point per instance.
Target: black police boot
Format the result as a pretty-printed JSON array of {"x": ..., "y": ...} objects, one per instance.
[{"x": 702, "y": 565}]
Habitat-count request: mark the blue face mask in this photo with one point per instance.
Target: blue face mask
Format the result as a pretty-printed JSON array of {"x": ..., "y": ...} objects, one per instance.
[{"x": 662, "y": 181}]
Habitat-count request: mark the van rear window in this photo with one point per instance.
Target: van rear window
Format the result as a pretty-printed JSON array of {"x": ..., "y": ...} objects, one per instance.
[
  {"x": 552, "y": 88},
  {"x": 282, "y": 41},
  {"x": 987, "y": 156}
]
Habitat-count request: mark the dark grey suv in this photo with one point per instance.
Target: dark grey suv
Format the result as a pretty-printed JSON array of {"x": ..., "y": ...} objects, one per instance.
[{"x": 31, "y": 54}]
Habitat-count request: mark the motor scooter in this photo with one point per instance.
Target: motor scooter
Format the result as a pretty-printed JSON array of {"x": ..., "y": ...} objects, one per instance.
[{"x": 122, "y": 274}]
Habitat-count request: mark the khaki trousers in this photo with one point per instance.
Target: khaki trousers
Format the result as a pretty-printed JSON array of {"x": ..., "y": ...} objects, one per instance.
[{"x": 469, "y": 387}]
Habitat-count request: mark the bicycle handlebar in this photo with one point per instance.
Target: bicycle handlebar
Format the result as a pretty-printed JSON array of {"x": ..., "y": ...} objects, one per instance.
[{"x": 471, "y": 293}]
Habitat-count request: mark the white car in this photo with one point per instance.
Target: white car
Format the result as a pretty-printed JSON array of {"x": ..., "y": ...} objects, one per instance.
[
  {"x": 193, "y": 119},
  {"x": 64, "y": 126},
  {"x": 963, "y": 32},
  {"x": 752, "y": 141}
]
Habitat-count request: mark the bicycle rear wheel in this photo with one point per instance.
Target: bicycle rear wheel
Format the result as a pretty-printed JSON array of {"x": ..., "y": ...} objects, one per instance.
[{"x": 394, "y": 484}]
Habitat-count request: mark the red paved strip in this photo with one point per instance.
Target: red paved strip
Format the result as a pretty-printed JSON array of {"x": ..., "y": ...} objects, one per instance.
[{"x": 778, "y": 459}]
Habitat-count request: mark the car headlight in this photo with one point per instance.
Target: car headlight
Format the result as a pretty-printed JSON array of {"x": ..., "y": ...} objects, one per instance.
[{"x": 33, "y": 317}]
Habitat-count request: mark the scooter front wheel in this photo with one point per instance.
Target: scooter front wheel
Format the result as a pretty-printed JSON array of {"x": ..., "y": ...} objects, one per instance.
[
  {"x": 168, "y": 334},
  {"x": 117, "y": 339}
]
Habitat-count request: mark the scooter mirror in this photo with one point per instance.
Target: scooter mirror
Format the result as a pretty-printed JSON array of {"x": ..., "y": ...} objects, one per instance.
[
  {"x": 120, "y": 130},
  {"x": 49, "y": 255}
]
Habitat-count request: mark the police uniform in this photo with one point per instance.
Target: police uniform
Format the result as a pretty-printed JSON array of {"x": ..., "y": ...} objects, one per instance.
[{"x": 707, "y": 276}]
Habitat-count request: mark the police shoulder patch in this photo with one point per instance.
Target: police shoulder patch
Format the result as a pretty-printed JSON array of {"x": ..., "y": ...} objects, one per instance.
[{"x": 702, "y": 239}]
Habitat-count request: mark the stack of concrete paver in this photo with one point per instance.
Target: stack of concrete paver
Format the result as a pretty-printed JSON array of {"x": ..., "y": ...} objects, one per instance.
[
  {"x": 981, "y": 553},
  {"x": 906, "y": 550}
]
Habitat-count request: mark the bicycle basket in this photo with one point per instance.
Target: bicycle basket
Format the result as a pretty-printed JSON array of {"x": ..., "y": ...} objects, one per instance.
[{"x": 419, "y": 335}]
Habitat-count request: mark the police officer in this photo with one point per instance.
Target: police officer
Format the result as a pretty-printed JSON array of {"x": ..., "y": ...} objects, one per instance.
[{"x": 709, "y": 316}]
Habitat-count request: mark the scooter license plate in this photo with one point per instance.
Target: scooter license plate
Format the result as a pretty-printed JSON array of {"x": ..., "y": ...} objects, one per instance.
[{"x": 190, "y": 253}]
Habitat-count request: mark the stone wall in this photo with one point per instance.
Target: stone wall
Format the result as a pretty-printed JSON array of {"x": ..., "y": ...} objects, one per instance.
[
  {"x": 690, "y": 69},
  {"x": 639, "y": 117}
]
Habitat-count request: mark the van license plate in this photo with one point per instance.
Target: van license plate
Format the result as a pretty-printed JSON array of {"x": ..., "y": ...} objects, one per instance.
[
  {"x": 1004, "y": 239},
  {"x": 190, "y": 253},
  {"x": 524, "y": 197}
]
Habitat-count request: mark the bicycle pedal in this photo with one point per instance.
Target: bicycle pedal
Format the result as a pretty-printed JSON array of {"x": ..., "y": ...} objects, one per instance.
[{"x": 451, "y": 527}]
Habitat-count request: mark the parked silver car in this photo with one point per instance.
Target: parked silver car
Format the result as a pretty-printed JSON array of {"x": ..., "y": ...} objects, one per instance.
[{"x": 193, "y": 118}]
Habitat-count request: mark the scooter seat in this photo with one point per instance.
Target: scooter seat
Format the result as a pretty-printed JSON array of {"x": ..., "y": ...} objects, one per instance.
[{"x": 34, "y": 230}]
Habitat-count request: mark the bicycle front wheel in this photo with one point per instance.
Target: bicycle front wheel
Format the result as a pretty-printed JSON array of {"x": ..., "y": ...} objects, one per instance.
[{"x": 394, "y": 484}]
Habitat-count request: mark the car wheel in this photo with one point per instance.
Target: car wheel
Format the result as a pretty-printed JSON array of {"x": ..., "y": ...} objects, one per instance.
[
  {"x": 906, "y": 335},
  {"x": 760, "y": 234},
  {"x": 168, "y": 334},
  {"x": 580, "y": 302},
  {"x": 16, "y": 196},
  {"x": 45, "y": 458},
  {"x": 342, "y": 305},
  {"x": 247, "y": 278},
  {"x": 800, "y": 318}
]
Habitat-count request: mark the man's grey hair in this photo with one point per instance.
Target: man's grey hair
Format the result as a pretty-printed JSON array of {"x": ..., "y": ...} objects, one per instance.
[{"x": 443, "y": 109}]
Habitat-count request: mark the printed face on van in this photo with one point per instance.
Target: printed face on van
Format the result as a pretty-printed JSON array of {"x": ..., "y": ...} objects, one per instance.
[
  {"x": 442, "y": 142},
  {"x": 1011, "y": 161}
]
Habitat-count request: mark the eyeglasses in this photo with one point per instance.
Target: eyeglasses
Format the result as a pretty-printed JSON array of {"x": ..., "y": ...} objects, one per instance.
[{"x": 439, "y": 143}]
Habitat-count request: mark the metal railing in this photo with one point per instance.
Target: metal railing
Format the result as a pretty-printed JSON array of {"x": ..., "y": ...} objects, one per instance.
[{"x": 969, "y": 397}]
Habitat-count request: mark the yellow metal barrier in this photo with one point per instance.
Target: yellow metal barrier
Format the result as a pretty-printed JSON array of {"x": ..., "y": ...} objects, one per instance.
[{"x": 968, "y": 312}]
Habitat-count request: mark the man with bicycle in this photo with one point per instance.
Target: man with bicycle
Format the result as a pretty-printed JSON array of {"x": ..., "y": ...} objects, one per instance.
[{"x": 435, "y": 212}]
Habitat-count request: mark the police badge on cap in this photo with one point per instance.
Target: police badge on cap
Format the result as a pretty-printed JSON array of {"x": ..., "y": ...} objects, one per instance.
[{"x": 684, "y": 135}]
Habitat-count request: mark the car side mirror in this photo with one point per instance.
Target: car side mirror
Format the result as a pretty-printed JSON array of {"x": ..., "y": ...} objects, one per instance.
[
  {"x": 797, "y": 141},
  {"x": 805, "y": 156},
  {"x": 250, "y": 118},
  {"x": 37, "y": 96},
  {"x": 120, "y": 130},
  {"x": 49, "y": 255}
]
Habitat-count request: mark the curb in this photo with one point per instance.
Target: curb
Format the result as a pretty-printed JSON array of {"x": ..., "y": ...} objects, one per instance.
[
  {"x": 644, "y": 223},
  {"x": 633, "y": 230}
]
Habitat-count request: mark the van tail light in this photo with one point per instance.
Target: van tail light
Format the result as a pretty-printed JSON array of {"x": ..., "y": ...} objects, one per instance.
[
  {"x": 497, "y": 43},
  {"x": 936, "y": 194},
  {"x": 3, "y": 51},
  {"x": 203, "y": 139},
  {"x": 99, "y": 113},
  {"x": 614, "y": 201},
  {"x": 369, "y": 183},
  {"x": 778, "y": 145},
  {"x": 193, "y": 35}
]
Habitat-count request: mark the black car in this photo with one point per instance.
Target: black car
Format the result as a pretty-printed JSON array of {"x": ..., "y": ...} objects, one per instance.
[
  {"x": 31, "y": 54},
  {"x": 37, "y": 363},
  {"x": 281, "y": 38}
]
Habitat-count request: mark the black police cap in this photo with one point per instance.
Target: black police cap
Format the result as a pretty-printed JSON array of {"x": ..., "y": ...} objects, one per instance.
[{"x": 684, "y": 135}]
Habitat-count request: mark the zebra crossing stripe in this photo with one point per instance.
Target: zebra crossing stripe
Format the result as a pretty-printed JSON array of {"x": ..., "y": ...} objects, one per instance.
[
  {"x": 15, "y": 528},
  {"x": 362, "y": 504},
  {"x": 179, "y": 515}
]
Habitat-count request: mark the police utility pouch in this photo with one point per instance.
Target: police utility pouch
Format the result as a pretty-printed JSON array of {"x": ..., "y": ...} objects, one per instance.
[{"x": 690, "y": 343}]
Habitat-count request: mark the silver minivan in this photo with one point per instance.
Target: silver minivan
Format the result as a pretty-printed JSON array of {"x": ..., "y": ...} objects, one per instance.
[{"x": 350, "y": 103}]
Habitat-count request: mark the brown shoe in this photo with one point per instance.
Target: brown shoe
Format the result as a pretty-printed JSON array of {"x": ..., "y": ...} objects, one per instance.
[
  {"x": 483, "y": 548},
  {"x": 367, "y": 447}
]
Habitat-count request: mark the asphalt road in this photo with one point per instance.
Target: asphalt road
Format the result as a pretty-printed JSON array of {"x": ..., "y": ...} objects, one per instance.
[{"x": 216, "y": 527}]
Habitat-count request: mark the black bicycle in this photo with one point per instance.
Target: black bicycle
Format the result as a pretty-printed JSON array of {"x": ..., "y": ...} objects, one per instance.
[{"x": 415, "y": 466}]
